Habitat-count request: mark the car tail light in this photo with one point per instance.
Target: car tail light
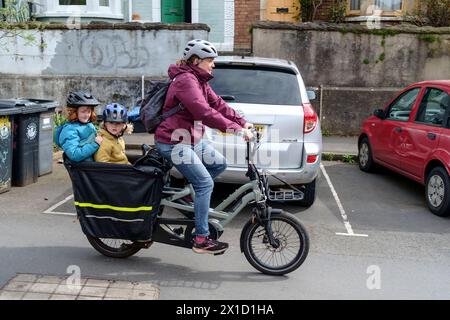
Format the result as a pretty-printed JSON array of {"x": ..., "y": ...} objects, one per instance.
[
  {"x": 311, "y": 158},
  {"x": 310, "y": 121}
]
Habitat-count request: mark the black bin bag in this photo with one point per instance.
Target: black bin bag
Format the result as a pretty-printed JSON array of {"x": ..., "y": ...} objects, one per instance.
[{"x": 116, "y": 201}]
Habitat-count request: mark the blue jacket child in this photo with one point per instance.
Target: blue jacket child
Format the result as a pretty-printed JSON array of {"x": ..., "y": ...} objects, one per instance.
[{"x": 78, "y": 136}]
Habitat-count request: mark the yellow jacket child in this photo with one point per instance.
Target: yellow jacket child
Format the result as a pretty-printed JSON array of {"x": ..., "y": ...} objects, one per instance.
[
  {"x": 114, "y": 125},
  {"x": 112, "y": 149}
]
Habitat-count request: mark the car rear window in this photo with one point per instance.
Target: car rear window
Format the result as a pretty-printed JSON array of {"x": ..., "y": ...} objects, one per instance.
[{"x": 256, "y": 85}]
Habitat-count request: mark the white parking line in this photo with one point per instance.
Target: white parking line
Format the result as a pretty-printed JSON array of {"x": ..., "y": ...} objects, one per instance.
[
  {"x": 345, "y": 219},
  {"x": 50, "y": 210}
]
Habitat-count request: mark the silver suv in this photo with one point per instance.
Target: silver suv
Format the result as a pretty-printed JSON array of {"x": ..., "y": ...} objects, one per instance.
[{"x": 269, "y": 93}]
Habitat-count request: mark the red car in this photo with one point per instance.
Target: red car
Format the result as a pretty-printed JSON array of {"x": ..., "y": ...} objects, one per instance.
[{"x": 411, "y": 136}]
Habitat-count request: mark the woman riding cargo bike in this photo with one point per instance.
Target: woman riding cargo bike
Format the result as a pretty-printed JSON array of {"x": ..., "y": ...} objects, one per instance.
[{"x": 119, "y": 225}]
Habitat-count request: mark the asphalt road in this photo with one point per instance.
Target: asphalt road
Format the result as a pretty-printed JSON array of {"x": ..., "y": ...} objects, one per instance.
[{"x": 391, "y": 246}]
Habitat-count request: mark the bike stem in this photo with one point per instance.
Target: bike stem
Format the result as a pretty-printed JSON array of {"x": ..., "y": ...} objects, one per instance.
[{"x": 250, "y": 173}]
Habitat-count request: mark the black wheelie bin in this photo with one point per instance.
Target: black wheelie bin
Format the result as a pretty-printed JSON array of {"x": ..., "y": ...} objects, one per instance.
[
  {"x": 7, "y": 115},
  {"x": 25, "y": 168}
]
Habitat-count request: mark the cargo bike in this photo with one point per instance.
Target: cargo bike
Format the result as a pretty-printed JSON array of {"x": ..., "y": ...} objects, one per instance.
[{"x": 121, "y": 211}]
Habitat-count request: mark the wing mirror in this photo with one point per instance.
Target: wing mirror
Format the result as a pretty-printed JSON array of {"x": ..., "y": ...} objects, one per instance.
[{"x": 379, "y": 113}]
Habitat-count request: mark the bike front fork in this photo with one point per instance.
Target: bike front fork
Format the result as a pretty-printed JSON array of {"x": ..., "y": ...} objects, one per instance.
[{"x": 263, "y": 216}]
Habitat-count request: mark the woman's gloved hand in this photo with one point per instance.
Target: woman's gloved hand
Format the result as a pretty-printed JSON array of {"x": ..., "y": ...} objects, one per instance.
[
  {"x": 248, "y": 125},
  {"x": 247, "y": 134}
]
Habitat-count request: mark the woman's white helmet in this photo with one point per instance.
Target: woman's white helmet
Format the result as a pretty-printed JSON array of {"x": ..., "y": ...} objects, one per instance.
[{"x": 201, "y": 48}]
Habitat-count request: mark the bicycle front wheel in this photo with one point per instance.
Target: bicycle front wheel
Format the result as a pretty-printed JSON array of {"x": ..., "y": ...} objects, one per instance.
[{"x": 290, "y": 251}]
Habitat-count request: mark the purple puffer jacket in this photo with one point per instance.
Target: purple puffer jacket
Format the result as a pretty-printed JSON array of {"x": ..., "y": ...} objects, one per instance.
[{"x": 191, "y": 88}]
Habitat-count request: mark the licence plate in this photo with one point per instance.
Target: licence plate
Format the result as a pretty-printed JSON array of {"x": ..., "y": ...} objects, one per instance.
[{"x": 259, "y": 127}]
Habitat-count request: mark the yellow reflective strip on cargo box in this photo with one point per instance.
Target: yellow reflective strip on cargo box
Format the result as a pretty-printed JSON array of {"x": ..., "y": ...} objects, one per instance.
[{"x": 106, "y": 206}]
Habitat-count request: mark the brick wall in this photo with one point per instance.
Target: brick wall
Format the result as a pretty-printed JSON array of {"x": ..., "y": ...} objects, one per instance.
[{"x": 246, "y": 12}]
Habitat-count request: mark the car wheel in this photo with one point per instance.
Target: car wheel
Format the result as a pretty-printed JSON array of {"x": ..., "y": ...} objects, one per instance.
[
  {"x": 310, "y": 194},
  {"x": 365, "y": 159},
  {"x": 437, "y": 190}
]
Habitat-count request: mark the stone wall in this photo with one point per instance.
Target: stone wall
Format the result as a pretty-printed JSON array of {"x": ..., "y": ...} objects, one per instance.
[
  {"x": 108, "y": 59},
  {"x": 123, "y": 90},
  {"x": 343, "y": 109},
  {"x": 365, "y": 67},
  {"x": 128, "y": 49},
  {"x": 353, "y": 55}
]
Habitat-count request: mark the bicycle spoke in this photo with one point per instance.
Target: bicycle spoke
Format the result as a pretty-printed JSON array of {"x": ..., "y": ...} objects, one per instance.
[
  {"x": 284, "y": 227},
  {"x": 115, "y": 243}
]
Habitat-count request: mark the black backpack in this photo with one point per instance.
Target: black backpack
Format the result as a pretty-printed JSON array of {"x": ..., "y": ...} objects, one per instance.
[{"x": 151, "y": 107}]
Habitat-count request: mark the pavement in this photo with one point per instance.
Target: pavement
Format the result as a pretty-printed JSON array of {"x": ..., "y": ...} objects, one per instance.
[
  {"x": 340, "y": 145},
  {"x": 43, "y": 287}
]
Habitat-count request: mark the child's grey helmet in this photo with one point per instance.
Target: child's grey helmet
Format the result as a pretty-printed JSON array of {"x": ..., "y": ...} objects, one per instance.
[
  {"x": 201, "y": 48},
  {"x": 80, "y": 99},
  {"x": 115, "y": 112}
]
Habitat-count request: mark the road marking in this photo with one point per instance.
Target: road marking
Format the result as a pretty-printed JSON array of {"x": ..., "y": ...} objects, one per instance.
[
  {"x": 345, "y": 219},
  {"x": 50, "y": 210},
  {"x": 351, "y": 234}
]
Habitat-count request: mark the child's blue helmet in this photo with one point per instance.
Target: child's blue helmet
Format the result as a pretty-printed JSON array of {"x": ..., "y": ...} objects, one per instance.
[{"x": 115, "y": 112}]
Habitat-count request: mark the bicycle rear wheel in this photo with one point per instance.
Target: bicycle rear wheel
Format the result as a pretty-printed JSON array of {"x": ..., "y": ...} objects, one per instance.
[
  {"x": 292, "y": 245},
  {"x": 114, "y": 248}
]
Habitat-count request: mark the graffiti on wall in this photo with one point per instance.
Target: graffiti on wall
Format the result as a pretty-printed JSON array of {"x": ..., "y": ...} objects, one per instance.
[{"x": 112, "y": 52}]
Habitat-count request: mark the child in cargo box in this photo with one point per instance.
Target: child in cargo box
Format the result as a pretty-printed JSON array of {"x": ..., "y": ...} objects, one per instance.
[
  {"x": 78, "y": 136},
  {"x": 114, "y": 125}
]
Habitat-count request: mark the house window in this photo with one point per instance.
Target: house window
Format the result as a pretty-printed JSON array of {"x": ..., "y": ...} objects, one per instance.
[
  {"x": 355, "y": 5},
  {"x": 369, "y": 7},
  {"x": 83, "y": 8},
  {"x": 389, "y": 5}
]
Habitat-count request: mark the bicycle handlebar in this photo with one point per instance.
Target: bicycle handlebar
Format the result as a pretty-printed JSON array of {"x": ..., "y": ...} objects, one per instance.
[
  {"x": 256, "y": 134},
  {"x": 255, "y": 140}
]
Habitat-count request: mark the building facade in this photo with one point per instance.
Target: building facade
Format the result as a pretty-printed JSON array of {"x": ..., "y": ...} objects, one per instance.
[
  {"x": 230, "y": 21},
  {"x": 355, "y": 10},
  {"x": 219, "y": 15}
]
